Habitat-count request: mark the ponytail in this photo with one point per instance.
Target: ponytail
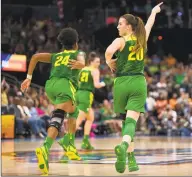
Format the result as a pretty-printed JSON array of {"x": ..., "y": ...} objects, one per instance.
[
  {"x": 140, "y": 33},
  {"x": 138, "y": 29}
]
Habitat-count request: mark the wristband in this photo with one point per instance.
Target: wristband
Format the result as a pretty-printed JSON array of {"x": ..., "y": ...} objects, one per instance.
[{"x": 29, "y": 76}]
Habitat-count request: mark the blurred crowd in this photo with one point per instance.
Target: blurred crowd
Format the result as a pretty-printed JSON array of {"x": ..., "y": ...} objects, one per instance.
[
  {"x": 169, "y": 102},
  {"x": 35, "y": 36},
  {"x": 168, "y": 105},
  {"x": 172, "y": 14},
  {"x": 32, "y": 111}
]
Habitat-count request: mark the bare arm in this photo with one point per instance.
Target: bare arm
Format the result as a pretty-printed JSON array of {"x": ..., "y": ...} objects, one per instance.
[
  {"x": 40, "y": 57},
  {"x": 96, "y": 79},
  {"x": 79, "y": 63},
  {"x": 151, "y": 19},
  {"x": 115, "y": 46}
]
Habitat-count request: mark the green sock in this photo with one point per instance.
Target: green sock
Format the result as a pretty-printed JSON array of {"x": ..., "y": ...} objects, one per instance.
[
  {"x": 72, "y": 138},
  {"x": 65, "y": 139},
  {"x": 125, "y": 145},
  {"x": 48, "y": 142},
  {"x": 129, "y": 128},
  {"x": 86, "y": 138}
]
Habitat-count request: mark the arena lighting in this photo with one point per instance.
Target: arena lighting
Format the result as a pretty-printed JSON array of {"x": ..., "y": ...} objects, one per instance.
[
  {"x": 13, "y": 62},
  {"x": 179, "y": 14},
  {"x": 160, "y": 38}
]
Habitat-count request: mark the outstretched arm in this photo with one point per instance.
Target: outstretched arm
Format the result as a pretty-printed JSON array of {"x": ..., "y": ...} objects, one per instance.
[
  {"x": 151, "y": 19},
  {"x": 40, "y": 57}
]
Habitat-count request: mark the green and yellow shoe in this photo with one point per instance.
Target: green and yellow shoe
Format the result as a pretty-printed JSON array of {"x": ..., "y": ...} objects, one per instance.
[
  {"x": 86, "y": 145},
  {"x": 72, "y": 153},
  {"x": 63, "y": 145},
  {"x": 132, "y": 164},
  {"x": 120, "y": 164},
  {"x": 42, "y": 157}
]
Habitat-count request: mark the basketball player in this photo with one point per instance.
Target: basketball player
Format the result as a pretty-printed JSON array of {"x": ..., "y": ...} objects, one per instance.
[
  {"x": 59, "y": 88},
  {"x": 130, "y": 87},
  {"x": 89, "y": 79}
]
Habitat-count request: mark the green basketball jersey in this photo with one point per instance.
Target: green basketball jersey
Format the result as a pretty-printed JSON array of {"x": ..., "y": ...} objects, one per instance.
[
  {"x": 86, "y": 79},
  {"x": 60, "y": 68},
  {"x": 128, "y": 61}
]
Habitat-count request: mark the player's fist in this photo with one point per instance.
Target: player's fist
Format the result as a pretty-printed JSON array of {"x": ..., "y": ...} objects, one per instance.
[
  {"x": 102, "y": 84},
  {"x": 25, "y": 84},
  {"x": 157, "y": 8}
]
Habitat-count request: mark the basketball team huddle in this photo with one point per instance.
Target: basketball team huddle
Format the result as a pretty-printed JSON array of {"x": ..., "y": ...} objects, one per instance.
[{"x": 73, "y": 78}]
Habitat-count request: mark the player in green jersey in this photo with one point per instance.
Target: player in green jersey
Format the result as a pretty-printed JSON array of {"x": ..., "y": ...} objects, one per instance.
[
  {"x": 89, "y": 79},
  {"x": 130, "y": 87},
  {"x": 60, "y": 88}
]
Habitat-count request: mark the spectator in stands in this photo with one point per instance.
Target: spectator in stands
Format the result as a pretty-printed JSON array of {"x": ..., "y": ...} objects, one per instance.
[
  {"x": 40, "y": 126},
  {"x": 173, "y": 101},
  {"x": 161, "y": 103},
  {"x": 19, "y": 120},
  {"x": 4, "y": 92}
]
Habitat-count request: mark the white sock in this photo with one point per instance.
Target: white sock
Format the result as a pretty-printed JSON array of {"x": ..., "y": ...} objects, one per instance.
[{"x": 127, "y": 139}]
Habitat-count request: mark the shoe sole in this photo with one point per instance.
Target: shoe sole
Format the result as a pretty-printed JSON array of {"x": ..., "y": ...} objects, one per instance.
[
  {"x": 119, "y": 163},
  {"x": 133, "y": 169},
  {"x": 41, "y": 161},
  {"x": 72, "y": 156}
]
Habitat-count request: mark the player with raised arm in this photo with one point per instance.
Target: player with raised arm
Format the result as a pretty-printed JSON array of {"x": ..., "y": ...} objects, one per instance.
[{"x": 130, "y": 87}]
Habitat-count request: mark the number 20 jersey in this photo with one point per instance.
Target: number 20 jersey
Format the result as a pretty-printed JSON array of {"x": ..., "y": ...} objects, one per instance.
[{"x": 129, "y": 62}]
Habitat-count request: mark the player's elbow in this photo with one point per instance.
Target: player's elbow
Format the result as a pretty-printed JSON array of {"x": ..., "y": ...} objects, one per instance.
[
  {"x": 35, "y": 57},
  {"x": 109, "y": 51}
]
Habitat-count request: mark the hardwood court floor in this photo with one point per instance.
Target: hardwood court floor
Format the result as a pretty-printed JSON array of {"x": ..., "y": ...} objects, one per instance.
[{"x": 156, "y": 156}]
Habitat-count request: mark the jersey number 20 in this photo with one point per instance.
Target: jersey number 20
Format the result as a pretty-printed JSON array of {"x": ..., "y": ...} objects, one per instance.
[
  {"x": 84, "y": 77},
  {"x": 60, "y": 60},
  {"x": 135, "y": 56}
]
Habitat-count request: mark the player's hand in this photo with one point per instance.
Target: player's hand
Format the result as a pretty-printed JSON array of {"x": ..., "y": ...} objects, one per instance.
[
  {"x": 157, "y": 8},
  {"x": 103, "y": 84},
  {"x": 112, "y": 64},
  {"x": 75, "y": 64},
  {"x": 25, "y": 85}
]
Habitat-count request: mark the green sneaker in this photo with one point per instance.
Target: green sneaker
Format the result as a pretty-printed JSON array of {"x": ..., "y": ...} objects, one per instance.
[
  {"x": 72, "y": 153},
  {"x": 86, "y": 145},
  {"x": 132, "y": 164},
  {"x": 42, "y": 157},
  {"x": 120, "y": 164},
  {"x": 64, "y": 142}
]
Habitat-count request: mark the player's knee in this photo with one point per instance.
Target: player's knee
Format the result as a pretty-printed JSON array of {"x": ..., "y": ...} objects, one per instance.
[{"x": 57, "y": 118}]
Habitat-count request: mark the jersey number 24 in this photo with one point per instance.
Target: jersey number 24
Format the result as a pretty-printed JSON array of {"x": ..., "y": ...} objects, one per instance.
[{"x": 61, "y": 60}]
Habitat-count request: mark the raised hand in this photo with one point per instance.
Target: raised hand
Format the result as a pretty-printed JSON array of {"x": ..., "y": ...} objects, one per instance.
[{"x": 157, "y": 8}]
